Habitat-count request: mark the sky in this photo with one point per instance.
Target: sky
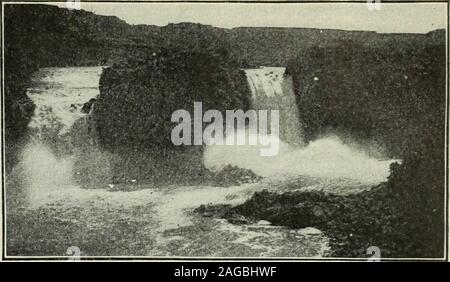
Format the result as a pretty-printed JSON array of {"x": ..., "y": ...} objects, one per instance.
[{"x": 392, "y": 17}]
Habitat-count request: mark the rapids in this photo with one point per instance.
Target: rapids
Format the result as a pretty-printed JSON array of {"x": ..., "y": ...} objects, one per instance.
[{"x": 158, "y": 221}]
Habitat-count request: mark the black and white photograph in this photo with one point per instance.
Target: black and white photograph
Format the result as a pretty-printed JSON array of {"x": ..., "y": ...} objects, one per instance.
[{"x": 225, "y": 130}]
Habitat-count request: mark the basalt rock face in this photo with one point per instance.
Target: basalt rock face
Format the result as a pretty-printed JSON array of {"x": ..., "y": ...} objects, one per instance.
[
  {"x": 352, "y": 222},
  {"x": 394, "y": 95},
  {"x": 383, "y": 93},
  {"x": 233, "y": 175},
  {"x": 18, "y": 111},
  {"x": 38, "y": 36},
  {"x": 137, "y": 99}
]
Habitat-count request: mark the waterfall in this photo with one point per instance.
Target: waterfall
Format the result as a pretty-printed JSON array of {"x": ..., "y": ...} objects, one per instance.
[
  {"x": 59, "y": 95},
  {"x": 272, "y": 90},
  {"x": 327, "y": 157},
  {"x": 46, "y": 162}
]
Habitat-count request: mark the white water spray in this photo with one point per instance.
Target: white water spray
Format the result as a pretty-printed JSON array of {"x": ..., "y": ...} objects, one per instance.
[
  {"x": 326, "y": 158},
  {"x": 44, "y": 174},
  {"x": 59, "y": 94}
]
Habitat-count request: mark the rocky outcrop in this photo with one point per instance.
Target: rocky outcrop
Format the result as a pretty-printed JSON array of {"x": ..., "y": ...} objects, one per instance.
[
  {"x": 133, "y": 112},
  {"x": 87, "y": 107},
  {"x": 353, "y": 222},
  {"x": 233, "y": 176},
  {"x": 402, "y": 88},
  {"x": 18, "y": 112}
]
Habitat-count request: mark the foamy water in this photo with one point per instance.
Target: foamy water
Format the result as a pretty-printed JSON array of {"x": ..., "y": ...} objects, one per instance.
[
  {"x": 272, "y": 90},
  {"x": 266, "y": 81},
  {"x": 59, "y": 94},
  {"x": 161, "y": 218},
  {"x": 327, "y": 158},
  {"x": 44, "y": 174},
  {"x": 163, "y": 215}
]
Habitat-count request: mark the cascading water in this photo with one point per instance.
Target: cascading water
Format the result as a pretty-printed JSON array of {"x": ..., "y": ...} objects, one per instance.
[
  {"x": 59, "y": 95},
  {"x": 326, "y": 158},
  {"x": 156, "y": 221},
  {"x": 272, "y": 90},
  {"x": 141, "y": 222}
]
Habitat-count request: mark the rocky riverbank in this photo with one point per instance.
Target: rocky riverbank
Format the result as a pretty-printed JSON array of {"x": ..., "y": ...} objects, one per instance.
[{"x": 353, "y": 222}]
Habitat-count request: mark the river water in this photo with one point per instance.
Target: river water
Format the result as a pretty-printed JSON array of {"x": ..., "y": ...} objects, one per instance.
[{"x": 54, "y": 213}]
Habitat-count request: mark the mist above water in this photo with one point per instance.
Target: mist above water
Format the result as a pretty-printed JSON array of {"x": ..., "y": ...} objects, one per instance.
[
  {"x": 43, "y": 173},
  {"x": 57, "y": 89},
  {"x": 49, "y": 180},
  {"x": 327, "y": 157},
  {"x": 59, "y": 94}
]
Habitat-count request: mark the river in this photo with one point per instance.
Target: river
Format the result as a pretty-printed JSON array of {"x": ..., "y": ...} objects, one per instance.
[{"x": 52, "y": 213}]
